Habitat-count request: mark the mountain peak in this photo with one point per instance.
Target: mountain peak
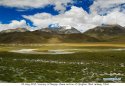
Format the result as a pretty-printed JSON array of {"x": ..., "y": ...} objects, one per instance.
[
  {"x": 108, "y": 25},
  {"x": 106, "y": 31},
  {"x": 61, "y": 30},
  {"x": 66, "y": 26}
]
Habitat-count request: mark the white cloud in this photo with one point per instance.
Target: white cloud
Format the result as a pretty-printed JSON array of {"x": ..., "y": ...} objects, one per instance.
[
  {"x": 75, "y": 17},
  {"x": 26, "y": 4},
  {"x": 78, "y": 18},
  {"x": 106, "y": 6},
  {"x": 14, "y": 24},
  {"x": 115, "y": 17},
  {"x": 110, "y": 7},
  {"x": 106, "y": 3}
]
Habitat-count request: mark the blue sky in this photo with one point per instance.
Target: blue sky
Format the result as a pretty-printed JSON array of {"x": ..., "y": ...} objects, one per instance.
[
  {"x": 7, "y": 14},
  {"x": 34, "y": 13}
]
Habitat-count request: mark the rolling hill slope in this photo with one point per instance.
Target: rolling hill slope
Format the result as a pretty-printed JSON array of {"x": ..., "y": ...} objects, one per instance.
[
  {"x": 107, "y": 33},
  {"x": 43, "y": 37}
]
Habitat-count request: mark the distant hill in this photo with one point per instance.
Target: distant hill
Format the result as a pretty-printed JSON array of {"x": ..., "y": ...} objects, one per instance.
[
  {"x": 104, "y": 33},
  {"x": 44, "y": 37},
  {"x": 107, "y": 32},
  {"x": 15, "y": 30}
]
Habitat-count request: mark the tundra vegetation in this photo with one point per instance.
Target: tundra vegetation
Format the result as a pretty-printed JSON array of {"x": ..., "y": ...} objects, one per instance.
[{"x": 88, "y": 63}]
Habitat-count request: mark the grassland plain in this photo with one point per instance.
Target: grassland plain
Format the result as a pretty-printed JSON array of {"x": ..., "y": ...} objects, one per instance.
[{"x": 89, "y": 63}]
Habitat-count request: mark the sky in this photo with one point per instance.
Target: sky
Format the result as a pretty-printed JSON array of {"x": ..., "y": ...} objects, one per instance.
[{"x": 81, "y": 14}]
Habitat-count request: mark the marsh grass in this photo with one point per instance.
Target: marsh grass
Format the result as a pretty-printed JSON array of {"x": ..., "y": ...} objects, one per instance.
[{"x": 77, "y": 67}]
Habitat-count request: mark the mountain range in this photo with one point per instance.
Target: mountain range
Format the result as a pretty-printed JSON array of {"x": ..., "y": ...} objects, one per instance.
[
  {"x": 107, "y": 33},
  {"x": 61, "y": 30},
  {"x": 103, "y": 33}
]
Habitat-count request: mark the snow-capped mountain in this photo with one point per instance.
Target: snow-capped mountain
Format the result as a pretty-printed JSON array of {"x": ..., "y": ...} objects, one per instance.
[{"x": 61, "y": 29}]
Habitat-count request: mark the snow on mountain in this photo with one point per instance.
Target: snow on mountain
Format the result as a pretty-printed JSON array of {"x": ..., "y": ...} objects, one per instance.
[{"x": 60, "y": 29}]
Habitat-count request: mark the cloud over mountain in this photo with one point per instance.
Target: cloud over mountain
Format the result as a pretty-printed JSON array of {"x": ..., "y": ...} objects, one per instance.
[
  {"x": 101, "y": 12},
  {"x": 74, "y": 17},
  {"x": 14, "y": 24},
  {"x": 78, "y": 18}
]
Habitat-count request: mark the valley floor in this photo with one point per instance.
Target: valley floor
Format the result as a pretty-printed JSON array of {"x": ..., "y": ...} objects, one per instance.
[{"x": 90, "y": 62}]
